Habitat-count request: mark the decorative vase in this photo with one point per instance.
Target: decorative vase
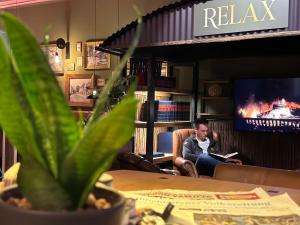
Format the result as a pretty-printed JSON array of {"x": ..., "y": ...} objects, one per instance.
[{"x": 12, "y": 215}]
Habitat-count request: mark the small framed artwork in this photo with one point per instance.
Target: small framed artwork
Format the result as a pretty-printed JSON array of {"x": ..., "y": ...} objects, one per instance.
[
  {"x": 95, "y": 60},
  {"x": 77, "y": 89},
  {"x": 71, "y": 66},
  {"x": 164, "y": 69},
  {"x": 78, "y": 46},
  {"x": 79, "y": 61},
  {"x": 100, "y": 82},
  {"x": 55, "y": 57}
]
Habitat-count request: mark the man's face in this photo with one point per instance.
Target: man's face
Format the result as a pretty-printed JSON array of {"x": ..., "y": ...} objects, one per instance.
[{"x": 202, "y": 132}]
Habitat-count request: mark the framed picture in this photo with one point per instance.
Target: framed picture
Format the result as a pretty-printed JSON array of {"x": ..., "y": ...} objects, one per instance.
[
  {"x": 95, "y": 60},
  {"x": 78, "y": 46},
  {"x": 164, "y": 70},
  {"x": 101, "y": 82},
  {"x": 55, "y": 57},
  {"x": 77, "y": 89}
]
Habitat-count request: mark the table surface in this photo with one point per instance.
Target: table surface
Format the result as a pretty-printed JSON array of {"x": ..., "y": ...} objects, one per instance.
[{"x": 129, "y": 180}]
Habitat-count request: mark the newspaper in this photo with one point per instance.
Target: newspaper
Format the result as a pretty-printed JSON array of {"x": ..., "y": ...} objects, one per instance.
[{"x": 200, "y": 207}]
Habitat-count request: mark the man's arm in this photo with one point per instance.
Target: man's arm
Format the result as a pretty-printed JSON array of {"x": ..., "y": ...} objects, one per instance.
[{"x": 187, "y": 151}]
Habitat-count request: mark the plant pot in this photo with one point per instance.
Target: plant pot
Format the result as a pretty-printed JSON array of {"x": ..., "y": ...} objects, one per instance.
[{"x": 11, "y": 215}]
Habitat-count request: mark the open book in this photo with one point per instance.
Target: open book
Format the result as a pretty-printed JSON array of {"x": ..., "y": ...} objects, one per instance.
[{"x": 224, "y": 156}]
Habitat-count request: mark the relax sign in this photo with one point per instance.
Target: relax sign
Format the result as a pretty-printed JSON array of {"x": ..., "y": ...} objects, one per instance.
[{"x": 230, "y": 16}]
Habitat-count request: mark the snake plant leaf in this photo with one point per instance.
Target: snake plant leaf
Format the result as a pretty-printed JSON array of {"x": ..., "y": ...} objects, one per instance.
[
  {"x": 16, "y": 119},
  {"x": 95, "y": 151},
  {"x": 40, "y": 187},
  {"x": 98, "y": 111},
  {"x": 56, "y": 125}
]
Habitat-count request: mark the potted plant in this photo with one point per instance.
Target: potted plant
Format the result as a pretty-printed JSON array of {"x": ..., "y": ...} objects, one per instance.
[{"x": 60, "y": 160}]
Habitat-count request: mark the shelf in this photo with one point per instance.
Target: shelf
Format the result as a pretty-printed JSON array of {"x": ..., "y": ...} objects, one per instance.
[
  {"x": 143, "y": 124},
  {"x": 165, "y": 90},
  {"x": 216, "y": 81},
  {"x": 215, "y": 98},
  {"x": 217, "y": 115}
]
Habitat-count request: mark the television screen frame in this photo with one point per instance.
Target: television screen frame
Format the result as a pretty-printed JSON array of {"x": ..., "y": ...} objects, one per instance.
[{"x": 236, "y": 121}]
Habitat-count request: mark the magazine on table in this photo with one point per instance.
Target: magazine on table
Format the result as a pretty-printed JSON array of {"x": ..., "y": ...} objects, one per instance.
[{"x": 223, "y": 156}]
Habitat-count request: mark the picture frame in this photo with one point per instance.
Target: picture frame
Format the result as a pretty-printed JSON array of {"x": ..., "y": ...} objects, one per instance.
[
  {"x": 164, "y": 70},
  {"x": 101, "y": 82},
  {"x": 95, "y": 60},
  {"x": 55, "y": 58},
  {"x": 79, "y": 46},
  {"x": 78, "y": 87}
]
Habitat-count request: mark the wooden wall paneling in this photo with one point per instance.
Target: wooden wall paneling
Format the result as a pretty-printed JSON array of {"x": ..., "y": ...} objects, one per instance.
[{"x": 260, "y": 149}]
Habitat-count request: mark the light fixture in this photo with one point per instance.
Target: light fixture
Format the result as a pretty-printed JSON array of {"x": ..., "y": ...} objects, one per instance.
[
  {"x": 61, "y": 44},
  {"x": 94, "y": 95}
]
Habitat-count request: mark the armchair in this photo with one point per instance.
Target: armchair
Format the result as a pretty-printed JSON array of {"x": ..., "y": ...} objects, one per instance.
[{"x": 187, "y": 167}]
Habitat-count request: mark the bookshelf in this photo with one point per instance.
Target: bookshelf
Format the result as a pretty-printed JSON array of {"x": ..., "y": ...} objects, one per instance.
[
  {"x": 158, "y": 126},
  {"x": 147, "y": 130},
  {"x": 159, "y": 90},
  {"x": 143, "y": 124},
  {"x": 215, "y": 99}
]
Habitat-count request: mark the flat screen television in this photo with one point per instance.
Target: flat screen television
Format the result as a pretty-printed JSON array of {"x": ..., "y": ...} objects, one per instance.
[{"x": 267, "y": 105}]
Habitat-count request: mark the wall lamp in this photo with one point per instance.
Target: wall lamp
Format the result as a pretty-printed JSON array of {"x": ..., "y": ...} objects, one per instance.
[{"x": 61, "y": 44}]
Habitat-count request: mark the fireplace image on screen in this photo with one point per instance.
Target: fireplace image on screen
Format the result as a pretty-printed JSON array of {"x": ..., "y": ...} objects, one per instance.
[{"x": 271, "y": 105}]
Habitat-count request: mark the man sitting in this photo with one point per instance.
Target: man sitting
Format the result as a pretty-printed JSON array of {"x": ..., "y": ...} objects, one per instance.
[{"x": 197, "y": 147}]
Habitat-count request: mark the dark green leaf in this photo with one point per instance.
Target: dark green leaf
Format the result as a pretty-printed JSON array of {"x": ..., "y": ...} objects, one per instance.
[
  {"x": 96, "y": 149},
  {"x": 56, "y": 126},
  {"x": 16, "y": 117},
  {"x": 41, "y": 188},
  {"x": 99, "y": 108}
]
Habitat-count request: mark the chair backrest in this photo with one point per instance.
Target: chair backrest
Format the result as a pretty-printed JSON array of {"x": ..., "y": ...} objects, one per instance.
[
  {"x": 178, "y": 138},
  {"x": 258, "y": 175},
  {"x": 164, "y": 142}
]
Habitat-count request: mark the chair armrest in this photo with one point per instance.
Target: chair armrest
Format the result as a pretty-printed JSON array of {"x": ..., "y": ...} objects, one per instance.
[
  {"x": 234, "y": 161},
  {"x": 186, "y": 167},
  {"x": 172, "y": 172}
]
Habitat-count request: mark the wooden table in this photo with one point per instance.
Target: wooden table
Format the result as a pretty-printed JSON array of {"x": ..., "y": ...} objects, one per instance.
[{"x": 127, "y": 180}]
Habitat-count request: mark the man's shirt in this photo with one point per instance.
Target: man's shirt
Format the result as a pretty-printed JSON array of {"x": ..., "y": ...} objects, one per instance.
[{"x": 191, "y": 148}]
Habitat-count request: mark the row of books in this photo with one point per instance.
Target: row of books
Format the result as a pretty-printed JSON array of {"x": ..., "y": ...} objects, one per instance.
[{"x": 166, "y": 110}]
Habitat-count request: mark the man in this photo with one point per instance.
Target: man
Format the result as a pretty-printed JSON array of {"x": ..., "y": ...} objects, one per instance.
[{"x": 197, "y": 147}]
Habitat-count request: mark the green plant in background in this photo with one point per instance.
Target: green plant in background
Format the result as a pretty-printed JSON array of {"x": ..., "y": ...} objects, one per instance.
[
  {"x": 60, "y": 160},
  {"x": 119, "y": 91}
]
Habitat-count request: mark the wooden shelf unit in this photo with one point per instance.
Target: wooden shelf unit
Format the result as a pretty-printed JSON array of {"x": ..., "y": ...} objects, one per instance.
[
  {"x": 166, "y": 90},
  {"x": 211, "y": 99},
  {"x": 215, "y": 98},
  {"x": 143, "y": 124}
]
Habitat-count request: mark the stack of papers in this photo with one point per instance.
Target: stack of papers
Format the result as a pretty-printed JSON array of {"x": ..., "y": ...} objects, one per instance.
[{"x": 218, "y": 208}]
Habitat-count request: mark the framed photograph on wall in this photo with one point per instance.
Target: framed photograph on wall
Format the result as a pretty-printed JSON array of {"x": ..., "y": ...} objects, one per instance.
[
  {"x": 101, "y": 82},
  {"x": 95, "y": 60},
  {"x": 164, "y": 70},
  {"x": 77, "y": 89},
  {"x": 55, "y": 57}
]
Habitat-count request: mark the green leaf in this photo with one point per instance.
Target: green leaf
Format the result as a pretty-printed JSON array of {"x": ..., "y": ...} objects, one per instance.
[
  {"x": 41, "y": 188},
  {"x": 16, "y": 116},
  {"x": 96, "y": 150},
  {"x": 98, "y": 111},
  {"x": 56, "y": 126}
]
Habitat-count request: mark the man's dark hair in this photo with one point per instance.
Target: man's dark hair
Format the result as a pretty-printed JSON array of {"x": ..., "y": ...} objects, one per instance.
[{"x": 199, "y": 121}]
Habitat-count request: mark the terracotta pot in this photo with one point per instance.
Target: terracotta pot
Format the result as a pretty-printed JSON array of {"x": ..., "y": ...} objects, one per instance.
[{"x": 11, "y": 215}]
